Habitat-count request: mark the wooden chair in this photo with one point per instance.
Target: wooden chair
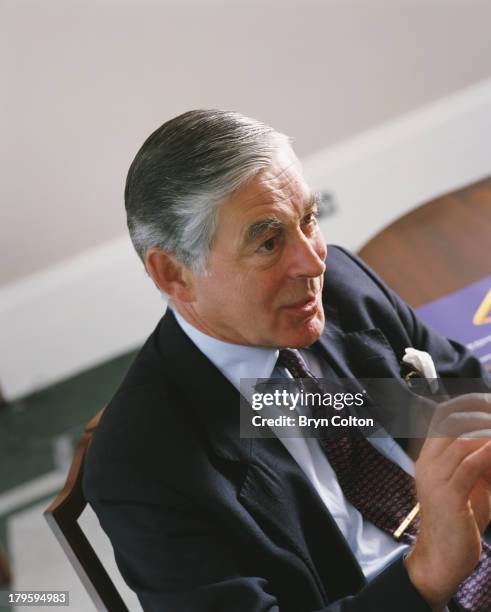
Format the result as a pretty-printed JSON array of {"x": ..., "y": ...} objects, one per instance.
[
  {"x": 62, "y": 517},
  {"x": 5, "y": 573}
]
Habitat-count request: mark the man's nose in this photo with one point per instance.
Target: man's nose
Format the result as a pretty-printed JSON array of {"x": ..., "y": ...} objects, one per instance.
[{"x": 307, "y": 257}]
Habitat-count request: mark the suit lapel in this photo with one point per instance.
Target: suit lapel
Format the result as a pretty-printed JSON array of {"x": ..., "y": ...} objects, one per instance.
[{"x": 212, "y": 398}]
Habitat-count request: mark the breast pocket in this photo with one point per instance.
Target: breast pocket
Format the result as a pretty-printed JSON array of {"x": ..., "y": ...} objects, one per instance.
[{"x": 371, "y": 355}]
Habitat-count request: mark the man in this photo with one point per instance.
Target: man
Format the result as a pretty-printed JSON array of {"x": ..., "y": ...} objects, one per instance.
[{"x": 202, "y": 519}]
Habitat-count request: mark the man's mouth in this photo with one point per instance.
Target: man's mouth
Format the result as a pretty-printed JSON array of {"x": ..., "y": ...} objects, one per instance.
[{"x": 307, "y": 305}]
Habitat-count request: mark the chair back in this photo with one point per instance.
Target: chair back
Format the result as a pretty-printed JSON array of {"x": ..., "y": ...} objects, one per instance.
[
  {"x": 62, "y": 517},
  {"x": 5, "y": 573}
]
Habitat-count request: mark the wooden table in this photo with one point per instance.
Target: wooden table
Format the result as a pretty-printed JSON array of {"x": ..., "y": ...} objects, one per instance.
[{"x": 437, "y": 248}]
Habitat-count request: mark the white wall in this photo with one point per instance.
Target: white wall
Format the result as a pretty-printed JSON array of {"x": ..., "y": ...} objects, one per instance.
[
  {"x": 85, "y": 81},
  {"x": 380, "y": 174},
  {"x": 96, "y": 305}
]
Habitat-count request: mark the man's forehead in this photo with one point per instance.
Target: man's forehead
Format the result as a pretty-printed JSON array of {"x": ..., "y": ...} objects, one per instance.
[
  {"x": 278, "y": 190},
  {"x": 284, "y": 174},
  {"x": 265, "y": 202},
  {"x": 278, "y": 183}
]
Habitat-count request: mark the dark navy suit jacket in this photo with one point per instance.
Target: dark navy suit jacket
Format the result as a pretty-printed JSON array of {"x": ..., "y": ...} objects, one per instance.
[{"x": 202, "y": 520}]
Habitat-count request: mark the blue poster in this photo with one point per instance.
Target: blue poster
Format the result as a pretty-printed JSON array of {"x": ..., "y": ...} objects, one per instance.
[{"x": 464, "y": 316}]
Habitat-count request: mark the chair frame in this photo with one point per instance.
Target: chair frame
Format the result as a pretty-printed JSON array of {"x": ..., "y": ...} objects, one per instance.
[
  {"x": 62, "y": 517},
  {"x": 5, "y": 571}
]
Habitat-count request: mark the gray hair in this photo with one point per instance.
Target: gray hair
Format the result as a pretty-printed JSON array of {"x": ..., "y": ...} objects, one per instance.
[{"x": 184, "y": 170}]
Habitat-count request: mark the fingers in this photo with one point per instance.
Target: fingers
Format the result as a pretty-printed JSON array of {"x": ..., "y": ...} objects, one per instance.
[
  {"x": 481, "y": 434},
  {"x": 465, "y": 424},
  {"x": 467, "y": 416},
  {"x": 455, "y": 453},
  {"x": 469, "y": 402},
  {"x": 470, "y": 470}
]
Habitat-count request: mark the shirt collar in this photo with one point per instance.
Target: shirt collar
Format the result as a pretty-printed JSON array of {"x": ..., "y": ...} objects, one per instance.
[{"x": 234, "y": 361}]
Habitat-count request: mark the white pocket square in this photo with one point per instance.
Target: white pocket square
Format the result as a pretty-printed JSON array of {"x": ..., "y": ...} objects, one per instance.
[{"x": 423, "y": 363}]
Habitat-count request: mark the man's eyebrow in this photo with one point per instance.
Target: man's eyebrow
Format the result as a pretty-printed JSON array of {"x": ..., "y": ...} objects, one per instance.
[
  {"x": 259, "y": 228},
  {"x": 313, "y": 201}
]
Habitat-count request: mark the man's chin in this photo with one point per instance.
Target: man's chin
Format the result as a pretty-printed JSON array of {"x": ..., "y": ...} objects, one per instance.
[{"x": 306, "y": 333}]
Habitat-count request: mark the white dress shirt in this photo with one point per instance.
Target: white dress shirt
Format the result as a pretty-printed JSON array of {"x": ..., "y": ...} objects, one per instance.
[{"x": 373, "y": 548}]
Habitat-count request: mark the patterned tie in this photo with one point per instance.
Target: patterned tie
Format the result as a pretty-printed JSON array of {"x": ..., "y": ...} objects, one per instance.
[{"x": 383, "y": 492}]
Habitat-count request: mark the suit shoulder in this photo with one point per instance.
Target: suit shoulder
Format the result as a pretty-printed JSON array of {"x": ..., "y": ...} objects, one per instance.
[
  {"x": 143, "y": 435},
  {"x": 350, "y": 280},
  {"x": 145, "y": 420}
]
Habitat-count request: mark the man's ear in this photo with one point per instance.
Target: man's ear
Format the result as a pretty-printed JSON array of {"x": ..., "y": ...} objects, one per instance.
[{"x": 170, "y": 275}]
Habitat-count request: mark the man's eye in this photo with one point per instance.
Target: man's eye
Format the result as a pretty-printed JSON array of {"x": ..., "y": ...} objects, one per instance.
[
  {"x": 268, "y": 245},
  {"x": 311, "y": 217}
]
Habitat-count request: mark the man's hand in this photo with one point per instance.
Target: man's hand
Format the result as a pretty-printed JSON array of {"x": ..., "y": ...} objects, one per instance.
[{"x": 453, "y": 482}]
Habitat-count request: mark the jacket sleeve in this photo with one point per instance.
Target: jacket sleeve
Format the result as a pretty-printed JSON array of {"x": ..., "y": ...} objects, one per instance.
[
  {"x": 176, "y": 557},
  {"x": 168, "y": 549},
  {"x": 390, "y": 590}
]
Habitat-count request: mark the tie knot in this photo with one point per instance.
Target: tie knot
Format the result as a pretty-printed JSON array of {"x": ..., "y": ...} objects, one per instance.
[{"x": 294, "y": 363}]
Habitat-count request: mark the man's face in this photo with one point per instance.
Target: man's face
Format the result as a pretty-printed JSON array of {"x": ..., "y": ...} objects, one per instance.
[{"x": 265, "y": 270}]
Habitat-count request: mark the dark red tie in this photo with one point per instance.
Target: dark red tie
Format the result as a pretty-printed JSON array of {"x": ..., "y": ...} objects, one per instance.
[{"x": 382, "y": 491}]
